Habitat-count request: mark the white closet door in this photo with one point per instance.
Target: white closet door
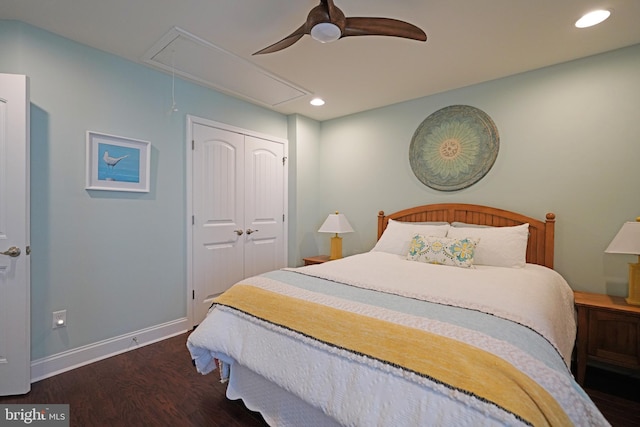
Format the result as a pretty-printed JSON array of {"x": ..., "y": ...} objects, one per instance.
[
  {"x": 218, "y": 208},
  {"x": 264, "y": 206},
  {"x": 238, "y": 198}
]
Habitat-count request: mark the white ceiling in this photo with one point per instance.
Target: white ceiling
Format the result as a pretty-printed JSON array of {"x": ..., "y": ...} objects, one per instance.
[{"x": 469, "y": 41}]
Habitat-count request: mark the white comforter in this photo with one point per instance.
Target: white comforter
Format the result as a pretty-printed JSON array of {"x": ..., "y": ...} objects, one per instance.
[{"x": 356, "y": 391}]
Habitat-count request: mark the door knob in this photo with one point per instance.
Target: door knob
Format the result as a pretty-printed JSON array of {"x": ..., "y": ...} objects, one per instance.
[
  {"x": 239, "y": 232},
  {"x": 12, "y": 252},
  {"x": 249, "y": 231}
]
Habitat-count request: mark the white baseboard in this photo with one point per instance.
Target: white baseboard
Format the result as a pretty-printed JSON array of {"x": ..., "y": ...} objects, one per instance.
[{"x": 71, "y": 359}]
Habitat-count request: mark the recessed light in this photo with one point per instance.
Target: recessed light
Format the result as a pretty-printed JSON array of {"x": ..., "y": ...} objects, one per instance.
[
  {"x": 317, "y": 102},
  {"x": 592, "y": 18}
]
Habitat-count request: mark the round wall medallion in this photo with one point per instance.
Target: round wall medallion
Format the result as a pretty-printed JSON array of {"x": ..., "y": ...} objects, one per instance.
[{"x": 454, "y": 148}]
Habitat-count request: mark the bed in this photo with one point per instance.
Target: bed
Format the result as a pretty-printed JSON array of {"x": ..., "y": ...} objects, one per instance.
[{"x": 455, "y": 317}]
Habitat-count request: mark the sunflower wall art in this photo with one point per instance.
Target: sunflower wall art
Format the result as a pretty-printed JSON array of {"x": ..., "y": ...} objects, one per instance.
[{"x": 454, "y": 148}]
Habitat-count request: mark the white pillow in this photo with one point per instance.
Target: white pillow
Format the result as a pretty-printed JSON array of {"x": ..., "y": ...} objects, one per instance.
[
  {"x": 397, "y": 236},
  {"x": 498, "y": 246}
]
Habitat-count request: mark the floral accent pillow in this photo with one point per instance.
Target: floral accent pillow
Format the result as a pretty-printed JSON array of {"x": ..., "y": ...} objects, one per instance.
[{"x": 443, "y": 250}]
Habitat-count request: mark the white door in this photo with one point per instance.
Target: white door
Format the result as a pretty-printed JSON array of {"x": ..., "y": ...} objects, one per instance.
[
  {"x": 218, "y": 221},
  {"x": 15, "y": 325},
  {"x": 264, "y": 206},
  {"x": 238, "y": 210}
]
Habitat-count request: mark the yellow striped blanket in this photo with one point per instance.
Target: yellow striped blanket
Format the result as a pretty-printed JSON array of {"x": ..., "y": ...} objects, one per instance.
[{"x": 446, "y": 361}]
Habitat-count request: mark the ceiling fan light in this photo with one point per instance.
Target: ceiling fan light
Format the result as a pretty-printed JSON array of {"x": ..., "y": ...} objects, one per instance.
[
  {"x": 592, "y": 18},
  {"x": 325, "y": 32}
]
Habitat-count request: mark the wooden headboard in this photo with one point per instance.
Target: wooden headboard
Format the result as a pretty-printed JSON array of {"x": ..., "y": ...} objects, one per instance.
[{"x": 541, "y": 233}]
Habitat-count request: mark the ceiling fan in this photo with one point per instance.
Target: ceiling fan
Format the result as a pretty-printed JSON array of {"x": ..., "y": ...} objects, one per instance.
[{"x": 327, "y": 23}]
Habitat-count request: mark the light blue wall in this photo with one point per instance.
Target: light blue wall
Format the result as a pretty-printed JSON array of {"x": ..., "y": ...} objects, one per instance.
[
  {"x": 115, "y": 261},
  {"x": 569, "y": 144},
  {"x": 304, "y": 175}
]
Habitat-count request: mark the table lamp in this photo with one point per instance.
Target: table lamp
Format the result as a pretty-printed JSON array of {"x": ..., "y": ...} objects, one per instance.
[
  {"x": 336, "y": 223},
  {"x": 627, "y": 241}
]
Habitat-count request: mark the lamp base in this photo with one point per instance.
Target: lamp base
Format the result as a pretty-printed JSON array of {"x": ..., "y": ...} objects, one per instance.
[
  {"x": 336, "y": 248},
  {"x": 632, "y": 302},
  {"x": 634, "y": 284}
]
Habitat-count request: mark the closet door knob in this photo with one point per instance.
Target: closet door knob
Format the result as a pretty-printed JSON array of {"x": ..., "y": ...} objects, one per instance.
[
  {"x": 239, "y": 232},
  {"x": 249, "y": 231},
  {"x": 13, "y": 252}
]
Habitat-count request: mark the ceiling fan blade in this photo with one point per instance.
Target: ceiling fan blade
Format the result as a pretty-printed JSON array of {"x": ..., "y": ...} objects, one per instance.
[
  {"x": 285, "y": 42},
  {"x": 382, "y": 27},
  {"x": 335, "y": 14}
]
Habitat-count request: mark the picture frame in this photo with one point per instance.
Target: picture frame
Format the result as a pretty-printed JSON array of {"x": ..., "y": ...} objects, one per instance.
[{"x": 116, "y": 163}]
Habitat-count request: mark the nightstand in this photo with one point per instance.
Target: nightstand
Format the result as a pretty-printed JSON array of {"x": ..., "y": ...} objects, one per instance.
[
  {"x": 608, "y": 332},
  {"x": 318, "y": 259}
]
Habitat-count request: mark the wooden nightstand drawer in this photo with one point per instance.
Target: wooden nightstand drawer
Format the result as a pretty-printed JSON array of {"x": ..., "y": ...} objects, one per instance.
[{"x": 613, "y": 337}]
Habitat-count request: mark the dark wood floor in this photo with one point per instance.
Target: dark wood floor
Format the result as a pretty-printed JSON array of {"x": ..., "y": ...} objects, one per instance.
[{"x": 157, "y": 385}]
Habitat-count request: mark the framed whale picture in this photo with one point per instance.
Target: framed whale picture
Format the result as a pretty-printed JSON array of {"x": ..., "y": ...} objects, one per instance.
[{"x": 115, "y": 163}]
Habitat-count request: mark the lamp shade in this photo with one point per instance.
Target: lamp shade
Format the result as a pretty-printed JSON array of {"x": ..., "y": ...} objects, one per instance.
[
  {"x": 627, "y": 241},
  {"x": 336, "y": 223}
]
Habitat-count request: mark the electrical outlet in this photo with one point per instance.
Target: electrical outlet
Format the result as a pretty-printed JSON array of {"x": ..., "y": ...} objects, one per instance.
[{"x": 59, "y": 319}]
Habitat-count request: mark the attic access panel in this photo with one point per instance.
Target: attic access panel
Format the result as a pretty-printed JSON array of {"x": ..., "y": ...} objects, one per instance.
[{"x": 209, "y": 65}]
